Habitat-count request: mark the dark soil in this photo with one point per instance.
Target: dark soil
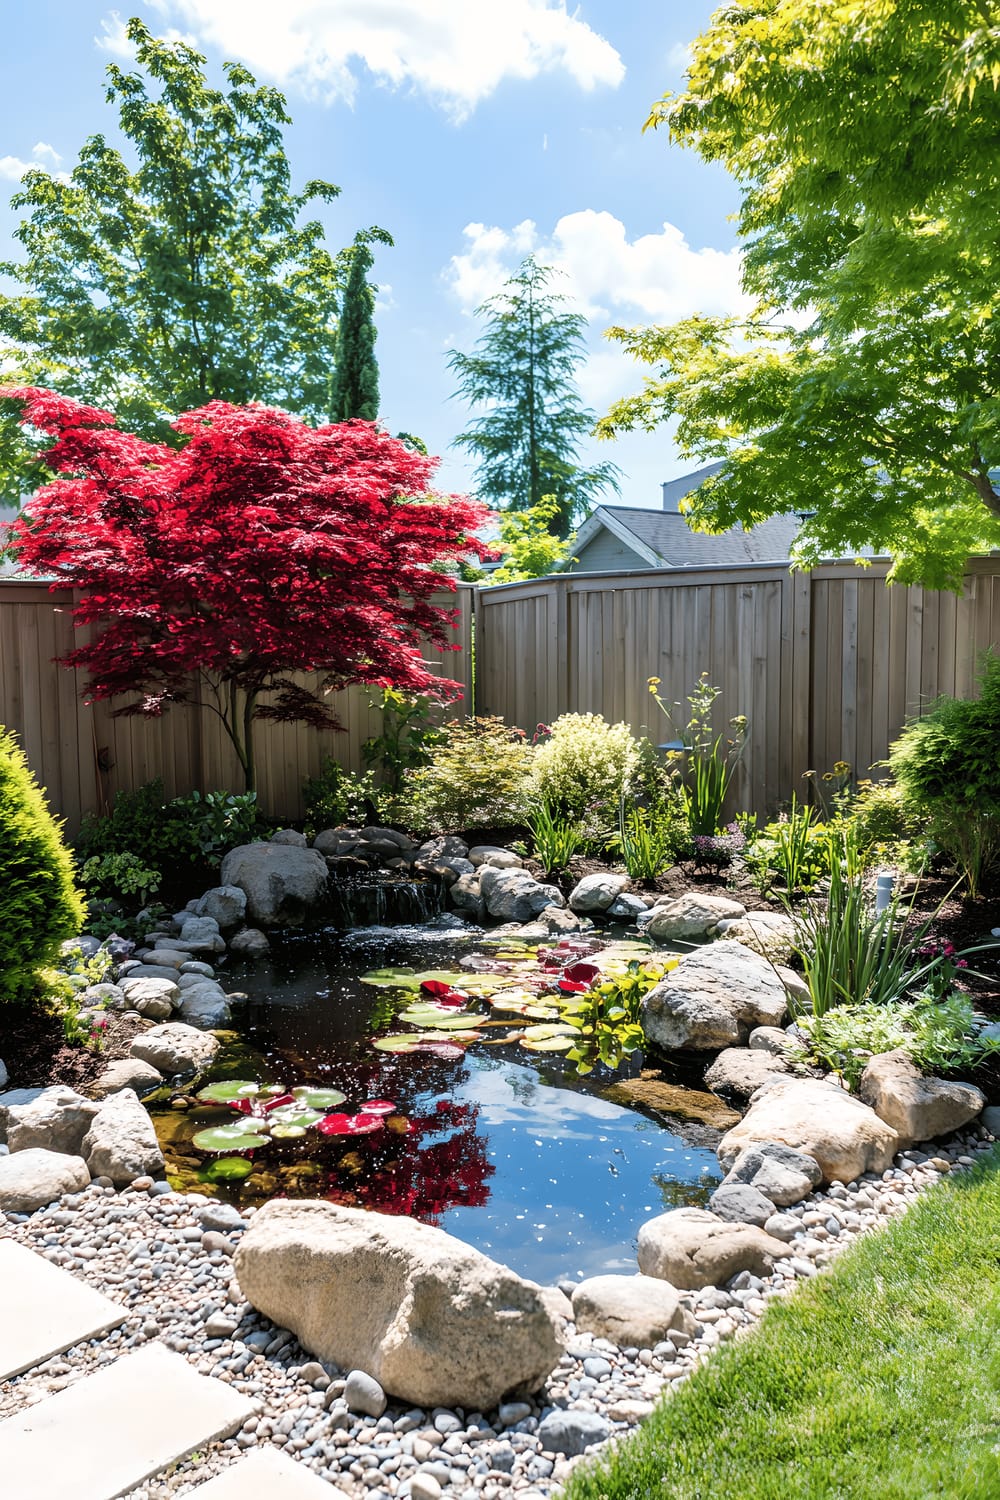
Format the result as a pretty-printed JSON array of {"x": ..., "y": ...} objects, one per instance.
[{"x": 37, "y": 1053}]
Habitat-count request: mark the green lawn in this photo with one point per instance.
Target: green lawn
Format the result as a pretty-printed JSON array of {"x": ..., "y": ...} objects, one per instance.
[{"x": 879, "y": 1380}]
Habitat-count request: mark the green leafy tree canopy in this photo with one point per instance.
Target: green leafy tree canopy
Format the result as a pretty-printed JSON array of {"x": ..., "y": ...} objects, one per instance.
[
  {"x": 865, "y": 385},
  {"x": 523, "y": 372},
  {"x": 191, "y": 277}
]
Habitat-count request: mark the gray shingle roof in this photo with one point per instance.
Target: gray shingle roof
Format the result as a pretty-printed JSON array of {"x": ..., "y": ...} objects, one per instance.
[{"x": 669, "y": 536}]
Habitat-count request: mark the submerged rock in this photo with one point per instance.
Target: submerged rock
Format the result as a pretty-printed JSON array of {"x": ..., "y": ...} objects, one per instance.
[{"x": 673, "y": 1099}]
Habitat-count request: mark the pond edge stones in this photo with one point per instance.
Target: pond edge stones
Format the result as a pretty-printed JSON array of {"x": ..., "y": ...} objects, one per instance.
[{"x": 432, "y": 1320}]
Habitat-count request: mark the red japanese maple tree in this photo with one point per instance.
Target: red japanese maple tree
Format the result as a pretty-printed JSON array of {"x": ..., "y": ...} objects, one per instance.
[{"x": 258, "y": 549}]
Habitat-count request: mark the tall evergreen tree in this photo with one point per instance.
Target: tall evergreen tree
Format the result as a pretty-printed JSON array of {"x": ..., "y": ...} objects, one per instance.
[
  {"x": 522, "y": 370},
  {"x": 354, "y": 392}
]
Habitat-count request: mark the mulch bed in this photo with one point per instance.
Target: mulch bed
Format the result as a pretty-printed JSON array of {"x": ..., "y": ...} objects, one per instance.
[{"x": 36, "y": 1052}]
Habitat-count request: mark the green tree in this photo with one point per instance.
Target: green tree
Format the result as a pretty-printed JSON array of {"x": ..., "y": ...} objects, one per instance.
[
  {"x": 355, "y": 375},
  {"x": 865, "y": 384},
  {"x": 527, "y": 545},
  {"x": 189, "y": 279},
  {"x": 522, "y": 371}
]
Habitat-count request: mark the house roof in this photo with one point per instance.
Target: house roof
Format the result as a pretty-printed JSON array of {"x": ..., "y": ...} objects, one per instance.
[{"x": 664, "y": 539}]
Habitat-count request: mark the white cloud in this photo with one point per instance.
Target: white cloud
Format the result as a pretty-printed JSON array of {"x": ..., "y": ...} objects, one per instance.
[
  {"x": 455, "y": 51},
  {"x": 680, "y": 56},
  {"x": 12, "y": 168},
  {"x": 114, "y": 39},
  {"x": 41, "y": 149}
]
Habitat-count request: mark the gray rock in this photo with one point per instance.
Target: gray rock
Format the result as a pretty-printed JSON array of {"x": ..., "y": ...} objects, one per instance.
[
  {"x": 595, "y": 893},
  {"x": 249, "y": 942},
  {"x": 447, "y": 846},
  {"x": 31, "y": 1179},
  {"x": 690, "y": 916},
  {"x": 917, "y": 1108},
  {"x": 221, "y": 1216},
  {"x": 121, "y": 1143},
  {"x": 154, "y": 995},
  {"x": 514, "y": 895},
  {"x": 990, "y": 1119},
  {"x": 291, "y": 837},
  {"x": 778, "y": 1172},
  {"x": 819, "y": 1118},
  {"x": 282, "y": 883},
  {"x": 364, "y": 1394},
  {"x": 631, "y": 1311},
  {"x": 201, "y": 934},
  {"x": 4, "y": 1075},
  {"x": 769, "y": 933},
  {"x": 738, "y": 1072},
  {"x": 175, "y": 1048},
  {"x": 9, "y": 1099},
  {"x": 126, "y": 1073},
  {"x": 227, "y": 904},
  {"x": 769, "y": 1039},
  {"x": 739, "y": 1204},
  {"x": 783, "y": 1226},
  {"x": 551, "y": 922},
  {"x": 205, "y": 1005},
  {"x": 57, "y": 1119},
  {"x": 464, "y": 895},
  {"x": 713, "y": 999},
  {"x": 192, "y": 966},
  {"x": 109, "y": 996},
  {"x": 627, "y": 907},
  {"x": 167, "y": 958},
  {"x": 491, "y": 854},
  {"x": 691, "y": 1249},
  {"x": 572, "y": 1432}
]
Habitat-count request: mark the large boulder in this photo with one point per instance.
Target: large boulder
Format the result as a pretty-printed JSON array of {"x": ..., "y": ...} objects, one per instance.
[
  {"x": 713, "y": 999},
  {"x": 31, "y": 1179},
  {"x": 227, "y": 904},
  {"x": 692, "y": 1248},
  {"x": 175, "y": 1048},
  {"x": 690, "y": 916},
  {"x": 434, "y": 1321},
  {"x": 840, "y": 1131},
  {"x": 282, "y": 882},
  {"x": 205, "y": 1005},
  {"x": 917, "y": 1108},
  {"x": 595, "y": 893},
  {"x": 156, "y": 998},
  {"x": 56, "y": 1120},
  {"x": 779, "y": 1173},
  {"x": 635, "y": 1312},
  {"x": 514, "y": 895},
  {"x": 121, "y": 1142},
  {"x": 126, "y": 1073},
  {"x": 739, "y": 1072},
  {"x": 769, "y": 933}
]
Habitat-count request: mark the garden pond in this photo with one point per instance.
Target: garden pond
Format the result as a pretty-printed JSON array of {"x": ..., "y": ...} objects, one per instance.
[{"x": 438, "y": 1088}]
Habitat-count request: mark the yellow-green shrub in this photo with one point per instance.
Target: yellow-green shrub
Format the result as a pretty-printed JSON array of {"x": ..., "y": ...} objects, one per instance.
[{"x": 585, "y": 762}]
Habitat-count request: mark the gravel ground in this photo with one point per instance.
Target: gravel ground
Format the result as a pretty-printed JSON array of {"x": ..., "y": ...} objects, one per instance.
[{"x": 167, "y": 1258}]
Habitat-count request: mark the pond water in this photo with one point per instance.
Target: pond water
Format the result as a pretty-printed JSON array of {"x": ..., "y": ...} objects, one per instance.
[{"x": 510, "y": 1151}]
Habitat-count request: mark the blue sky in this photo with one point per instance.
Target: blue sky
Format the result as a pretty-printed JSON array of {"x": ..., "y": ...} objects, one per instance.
[{"x": 474, "y": 131}]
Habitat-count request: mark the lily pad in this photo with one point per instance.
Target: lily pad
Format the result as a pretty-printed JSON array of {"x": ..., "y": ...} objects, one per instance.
[
  {"x": 294, "y": 1114},
  {"x": 540, "y": 1033},
  {"x": 228, "y": 1092},
  {"x": 436, "y": 1020},
  {"x": 378, "y": 1107},
  {"x": 359, "y": 1124},
  {"x": 408, "y": 979},
  {"x": 318, "y": 1098},
  {"x": 396, "y": 1043},
  {"x": 548, "y": 1044},
  {"x": 288, "y": 1132},
  {"x": 227, "y": 1169},
  {"x": 240, "y": 1136}
]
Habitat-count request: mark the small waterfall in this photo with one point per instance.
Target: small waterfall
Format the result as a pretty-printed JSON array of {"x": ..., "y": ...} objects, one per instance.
[{"x": 388, "y": 902}]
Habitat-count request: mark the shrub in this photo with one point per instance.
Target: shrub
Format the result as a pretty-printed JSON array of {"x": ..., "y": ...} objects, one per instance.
[
  {"x": 163, "y": 835},
  {"x": 40, "y": 907},
  {"x": 584, "y": 766},
  {"x": 937, "y": 1035},
  {"x": 115, "y": 875},
  {"x": 947, "y": 767},
  {"x": 337, "y": 796},
  {"x": 477, "y": 779},
  {"x": 792, "y": 851}
]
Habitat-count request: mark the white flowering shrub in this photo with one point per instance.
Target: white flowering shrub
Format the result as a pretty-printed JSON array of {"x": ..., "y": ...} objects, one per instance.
[{"x": 585, "y": 765}]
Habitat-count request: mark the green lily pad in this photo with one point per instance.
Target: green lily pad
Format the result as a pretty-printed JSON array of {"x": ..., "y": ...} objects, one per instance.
[
  {"x": 319, "y": 1098},
  {"x": 226, "y": 1169},
  {"x": 293, "y": 1114},
  {"x": 240, "y": 1136},
  {"x": 436, "y": 1020},
  {"x": 548, "y": 1043},
  {"x": 288, "y": 1132},
  {"x": 541, "y": 1033},
  {"x": 409, "y": 979},
  {"x": 228, "y": 1092},
  {"x": 396, "y": 1043}
]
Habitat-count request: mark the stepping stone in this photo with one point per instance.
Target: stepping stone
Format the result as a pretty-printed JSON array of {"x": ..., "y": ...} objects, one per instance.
[
  {"x": 44, "y": 1310},
  {"x": 267, "y": 1474},
  {"x": 100, "y": 1438}
]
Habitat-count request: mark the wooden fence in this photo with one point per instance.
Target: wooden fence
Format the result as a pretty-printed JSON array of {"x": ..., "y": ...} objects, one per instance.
[
  {"x": 825, "y": 665},
  {"x": 82, "y": 755}
]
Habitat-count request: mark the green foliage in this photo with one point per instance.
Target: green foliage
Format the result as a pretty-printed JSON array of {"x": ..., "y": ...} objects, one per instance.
[
  {"x": 477, "y": 779},
  {"x": 609, "y": 1017},
  {"x": 162, "y": 835},
  {"x": 792, "y": 851},
  {"x": 888, "y": 829},
  {"x": 938, "y": 1035},
  {"x": 354, "y": 391},
  {"x": 947, "y": 767},
  {"x": 337, "y": 796},
  {"x": 185, "y": 280},
  {"x": 523, "y": 371},
  {"x": 584, "y": 766},
  {"x": 406, "y": 741},
  {"x": 216, "y": 822},
  {"x": 876, "y": 1381},
  {"x": 860, "y": 137},
  {"x": 530, "y": 548},
  {"x": 554, "y": 837},
  {"x": 40, "y": 907},
  {"x": 708, "y": 763},
  {"x": 647, "y": 841},
  {"x": 117, "y": 875}
]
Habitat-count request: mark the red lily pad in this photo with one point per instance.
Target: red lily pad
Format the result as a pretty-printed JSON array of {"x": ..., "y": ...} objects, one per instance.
[
  {"x": 360, "y": 1124},
  {"x": 378, "y": 1107},
  {"x": 573, "y": 987},
  {"x": 584, "y": 973}
]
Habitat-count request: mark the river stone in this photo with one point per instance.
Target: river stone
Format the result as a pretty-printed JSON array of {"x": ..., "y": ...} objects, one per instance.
[
  {"x": 200, "y": 934},
  {"x": 769, "y": 933},
  {"x": 690, "y": 916},
  {"x": 595, "y": 893},
  {"x": 781, "y": 1174},
  {"x": 691, "y": 1248},
  {"x": 126, "y": 1073},
  {"x": 514, "y": 895},
  {"x": 464, "y": 894},
  {"x": 108, "y": 996},
  {"x": 153, "y": 994},
  {"x": 990, "y": 1119},
  {"x": 249, "y": 942},
  {"x": 845, "y": 1136},
  {"x": 713, "y": 999},
  {"x": 31, "y": 1179},
  {"x": 490, "y": 854},
  {"x": 773, "y": 1039},
  {"x": 435, "y": 1322},
  {"x": 626, "y": 907},
  {"x": 175, "y": 1048},
  {"x": 121, "y": 1143},
  {"x": 205, "y": 1005},
  {"x": 634, "y": 1312},
  {"x": 56, "y": 1120},
  {"x": 227, "y": 904},
  {"x": 740, "y": 1204},
  {"x": 553, "y": 921},
  {"x": 917, "y": 1108},
  {"x": 282, "y": 882},
  {"x": 4, "y": 1075},
  {"x": 739, "y": 1072},
  {"x": 290, "y": 836},
  {"x": 654, "y": 1092},
  {"x": 364, "y": 1394},
  {"x": 572, "y": 1432}
]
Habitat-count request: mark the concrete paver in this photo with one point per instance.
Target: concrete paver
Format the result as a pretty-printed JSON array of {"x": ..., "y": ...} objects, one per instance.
[{"x": 44, "y": 1310}]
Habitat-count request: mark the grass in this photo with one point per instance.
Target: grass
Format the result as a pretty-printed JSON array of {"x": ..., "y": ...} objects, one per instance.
[{"x": 878, "y": 1380}]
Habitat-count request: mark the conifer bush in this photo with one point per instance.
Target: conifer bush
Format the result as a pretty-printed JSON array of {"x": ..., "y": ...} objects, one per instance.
[{"x": 40, "y": 906}]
